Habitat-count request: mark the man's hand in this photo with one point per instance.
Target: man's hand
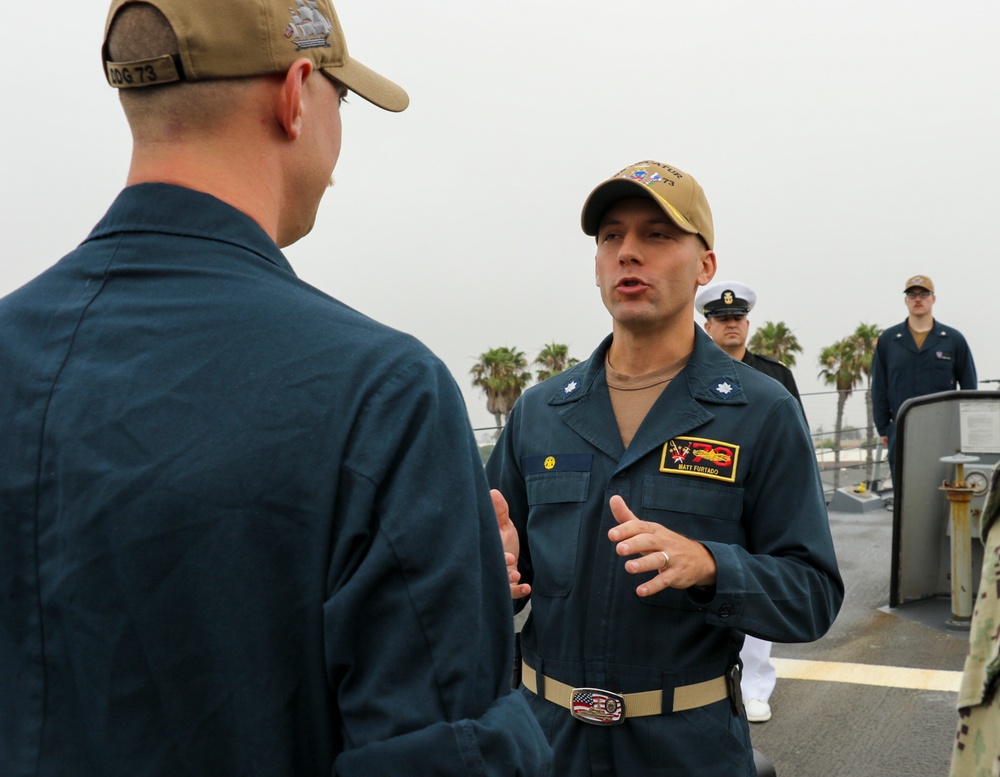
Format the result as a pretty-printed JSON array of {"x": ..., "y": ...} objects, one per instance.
[
  {"x": 677, "y": 561},
  {"x": 511, "y": 545}
]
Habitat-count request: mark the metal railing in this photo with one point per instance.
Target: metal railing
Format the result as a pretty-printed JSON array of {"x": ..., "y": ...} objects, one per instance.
[{"x": 851, "y": 467}]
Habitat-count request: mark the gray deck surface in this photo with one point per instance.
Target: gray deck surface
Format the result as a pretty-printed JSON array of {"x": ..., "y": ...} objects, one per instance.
[{"x": 825, "y": 728}]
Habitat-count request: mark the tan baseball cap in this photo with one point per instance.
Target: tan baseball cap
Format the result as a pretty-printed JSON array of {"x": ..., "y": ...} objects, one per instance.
[
  {"x": 676, "y": 192},
  {"x": 919, "y": 280},
  {"x": 235, "y": 38}
]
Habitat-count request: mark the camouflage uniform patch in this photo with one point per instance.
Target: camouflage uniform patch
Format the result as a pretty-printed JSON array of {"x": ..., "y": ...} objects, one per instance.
[{"x": 976, "y": 751}]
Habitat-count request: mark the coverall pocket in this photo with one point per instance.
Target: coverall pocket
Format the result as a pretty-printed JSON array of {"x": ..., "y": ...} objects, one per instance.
[
  {"x": 697, "y": 508},
  {"x": 694, "y": 507},
  {"x": 942, "y": 372},
  {"x": 555, "y": 501}
]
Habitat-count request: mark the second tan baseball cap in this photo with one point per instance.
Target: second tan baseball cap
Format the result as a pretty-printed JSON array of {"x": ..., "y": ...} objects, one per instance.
[
  {"x": 237, "y": 38},
  {"x": 919, "y": 280},
  {"x": 676, "y": 192}
]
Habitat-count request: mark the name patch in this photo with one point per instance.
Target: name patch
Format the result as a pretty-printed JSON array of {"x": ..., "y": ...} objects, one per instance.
[
  {"x": 701, "y": 458},
  {"x": 145, "y": 72}
]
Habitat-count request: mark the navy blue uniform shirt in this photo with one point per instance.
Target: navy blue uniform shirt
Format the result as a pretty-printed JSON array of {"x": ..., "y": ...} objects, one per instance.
[
  {"x": 722, "y": 457},
  {"x": 900, "y": 371},
  {"x": 773, "y": 369},
  {"x": 244, "y": 529}
]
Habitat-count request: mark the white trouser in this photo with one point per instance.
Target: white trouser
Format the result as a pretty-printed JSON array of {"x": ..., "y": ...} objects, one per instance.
[{"x": 758, "y": 672}]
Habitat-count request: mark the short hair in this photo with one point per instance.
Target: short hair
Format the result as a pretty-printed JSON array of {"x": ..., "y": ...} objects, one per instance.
[{"x": 141, "y": 31}]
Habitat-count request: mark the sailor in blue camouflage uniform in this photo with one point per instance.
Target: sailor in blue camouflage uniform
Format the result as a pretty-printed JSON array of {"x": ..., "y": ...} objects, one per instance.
[{"x": 656, "y": 502}]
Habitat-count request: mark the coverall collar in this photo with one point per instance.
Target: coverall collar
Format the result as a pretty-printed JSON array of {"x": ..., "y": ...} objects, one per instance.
[
  {"x": 905, "y": 337},
  {"x": 709, "y": 378},
  {"x": 153, "y": 207}
]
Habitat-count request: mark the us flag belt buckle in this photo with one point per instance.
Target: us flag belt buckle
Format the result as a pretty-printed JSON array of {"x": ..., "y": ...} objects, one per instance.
[{"x": 597, "y": 706}]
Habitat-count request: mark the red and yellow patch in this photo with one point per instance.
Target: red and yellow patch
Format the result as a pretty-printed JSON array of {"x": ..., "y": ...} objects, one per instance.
[{"x": 700, "y": 457}]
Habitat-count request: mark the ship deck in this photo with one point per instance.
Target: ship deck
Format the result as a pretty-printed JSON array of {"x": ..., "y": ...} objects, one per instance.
[{"x": 846, "y": 705}]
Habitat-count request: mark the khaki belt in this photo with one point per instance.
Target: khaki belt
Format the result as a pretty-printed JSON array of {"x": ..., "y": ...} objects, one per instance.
[{"x": 635, "y": 705}]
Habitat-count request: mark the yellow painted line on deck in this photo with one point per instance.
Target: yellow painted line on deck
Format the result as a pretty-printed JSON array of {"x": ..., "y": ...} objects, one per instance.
[{"x": 868, "y": 674}]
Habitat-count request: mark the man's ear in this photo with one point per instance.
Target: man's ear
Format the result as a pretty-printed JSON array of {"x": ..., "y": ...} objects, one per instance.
[
  {"x": 708, "y": 268},
  {"x": 289, "y": 109}
]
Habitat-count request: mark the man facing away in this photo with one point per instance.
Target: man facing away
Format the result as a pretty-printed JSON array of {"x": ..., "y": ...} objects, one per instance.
[
  {"x": 657, "y": 502},
  {"x": 726, "y": 306},
  {"x": 917, "y": 357},
  {"x": 244, "y": 530}
]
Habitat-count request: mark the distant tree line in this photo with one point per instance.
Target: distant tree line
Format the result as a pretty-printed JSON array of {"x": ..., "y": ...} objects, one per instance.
[
  {"x": 502, "y": 374},
  {"x": 843, "y": 365}
]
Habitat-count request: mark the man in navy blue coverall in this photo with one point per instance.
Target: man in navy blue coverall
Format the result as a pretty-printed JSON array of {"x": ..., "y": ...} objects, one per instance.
[
  {"x": 917, "y": 357},
  {"x": 244, "y": 529},
  {"x": 657, "y": 502}
]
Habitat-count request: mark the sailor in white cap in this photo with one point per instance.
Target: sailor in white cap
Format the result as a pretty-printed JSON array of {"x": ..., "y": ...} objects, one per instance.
[
  {"x": 725, "y": 298},
  {"x": 725, "y": 305}
]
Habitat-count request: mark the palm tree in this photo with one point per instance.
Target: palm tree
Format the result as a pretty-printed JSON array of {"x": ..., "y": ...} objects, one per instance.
[
  {"x": 776, "y": 341},
  {"x": 553, "y": 359},
  {"x": 501, "y": 374},
  {"x": 839, "y": 367},
  {"x": 865, "y": 337}
]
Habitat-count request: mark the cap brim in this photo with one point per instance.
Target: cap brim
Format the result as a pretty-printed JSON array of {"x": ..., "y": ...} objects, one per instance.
[
  {"x": 619, "y": 188},
  {"x": 733, "y": 311},
  {"x": 365, "y": 82}
]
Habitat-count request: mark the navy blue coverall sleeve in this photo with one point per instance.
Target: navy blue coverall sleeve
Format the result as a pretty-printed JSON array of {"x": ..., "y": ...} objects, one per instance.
[
  {"x": 965, "y": 368},
  {"x": 880, "y": 396},
  {"x": 431, "y": 643},
  {"x": 782, "y": 586}
]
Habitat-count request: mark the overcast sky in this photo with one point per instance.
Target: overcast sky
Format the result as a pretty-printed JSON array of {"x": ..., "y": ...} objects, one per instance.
[{"x": 843, "y": 147}]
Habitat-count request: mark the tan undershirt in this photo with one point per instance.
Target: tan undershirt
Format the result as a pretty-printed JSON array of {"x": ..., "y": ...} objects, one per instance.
[
  {"x": 633, "y": 395},
  {"x": 919, "y": 337}
]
